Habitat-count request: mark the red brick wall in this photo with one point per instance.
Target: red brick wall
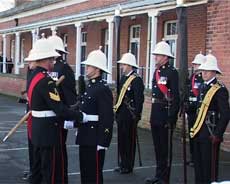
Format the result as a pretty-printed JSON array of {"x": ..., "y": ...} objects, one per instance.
[
  {"x": 218, "y": 40},
  {"x": 197, "y": 22},
  {"x": 11, "y": 85},
  {"x": 218, "y": 35},
  {"x": 196, "y": 26}
]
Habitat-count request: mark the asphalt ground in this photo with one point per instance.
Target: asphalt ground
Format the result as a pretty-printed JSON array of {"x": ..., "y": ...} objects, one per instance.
[{"x": 14, "y": 154}]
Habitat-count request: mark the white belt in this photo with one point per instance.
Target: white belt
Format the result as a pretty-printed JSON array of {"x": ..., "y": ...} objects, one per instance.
[
  {"x": 92, "y": 117},
  {"x": 43, "y": 114},
  {"x": 192, "y": 99}
]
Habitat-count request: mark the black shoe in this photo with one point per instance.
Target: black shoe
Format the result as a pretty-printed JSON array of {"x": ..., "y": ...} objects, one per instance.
[
  {"x": 152, "y": 180},
  {"x": 27, "y": 176},
  {"x": 117, "y": 169},
  {"x": 126, "y": 171}
]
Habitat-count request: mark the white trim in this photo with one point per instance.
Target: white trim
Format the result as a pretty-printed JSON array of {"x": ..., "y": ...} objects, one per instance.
[
  {"x": 22, "y": 53},
  {"x": 12, "y": 50},
  {"x": 43, "y": 9}
]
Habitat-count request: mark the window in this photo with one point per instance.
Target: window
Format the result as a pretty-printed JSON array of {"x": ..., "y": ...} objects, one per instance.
[
  {"x": 134, "y": 45},
  {"x": 83, "y": 50},
  {"x": 170, "y": 36}
]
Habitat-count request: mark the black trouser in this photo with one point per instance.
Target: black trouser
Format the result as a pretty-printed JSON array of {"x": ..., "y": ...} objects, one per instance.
[
  {"x": 30, "y": 150},
  {"x": 206, "y": 159},
  {"x": 48, "y": 165},
  {"x": 191, "y": 120},
  {"x": 91, "y": 164},
  {"x": 160, "y": 141},
  {"x": 127, "y": 131}
]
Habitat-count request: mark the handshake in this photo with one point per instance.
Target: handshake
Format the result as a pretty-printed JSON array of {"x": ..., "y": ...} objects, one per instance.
[{"x": 86, "y": 118}]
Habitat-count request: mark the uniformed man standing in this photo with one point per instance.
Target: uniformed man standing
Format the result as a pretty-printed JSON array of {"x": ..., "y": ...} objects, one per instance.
[
  {"x": 28, "y": 174},
  {"x": 128, "y": 112},
  {"x": 94, "y": 137},
  {"x": 165, "y": 107},
  {"x": 66, "y": 89},
  {"x": 46, "y": 109},
  {"x": 194, "y": 83},
  {"x": 212, "y": 120}
]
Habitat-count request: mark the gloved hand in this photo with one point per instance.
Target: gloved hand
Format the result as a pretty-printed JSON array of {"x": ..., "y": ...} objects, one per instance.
[
  {"x": 101, "y": 148},
  {"x": 68, "y": 124},
  {"x": 214, "y": 139}
]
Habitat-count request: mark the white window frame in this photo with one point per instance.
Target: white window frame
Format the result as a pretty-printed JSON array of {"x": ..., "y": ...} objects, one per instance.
[
  {"x": 135, "y": 40},
  {"x": 171, "y": 37}
]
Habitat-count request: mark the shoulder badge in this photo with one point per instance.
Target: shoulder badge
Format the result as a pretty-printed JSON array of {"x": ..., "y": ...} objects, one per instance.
[{"x": 55, "y": 96}]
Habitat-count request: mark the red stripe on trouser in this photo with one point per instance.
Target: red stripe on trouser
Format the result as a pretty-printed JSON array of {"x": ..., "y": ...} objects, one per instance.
[
  {"x": 97, "y": 166},
  {"x": 53, "y": 168},
  {"x": 62, "y": 158}
]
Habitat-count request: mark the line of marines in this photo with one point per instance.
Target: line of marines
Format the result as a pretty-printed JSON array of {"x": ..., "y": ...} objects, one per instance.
[{"x": 55, "y": 109}]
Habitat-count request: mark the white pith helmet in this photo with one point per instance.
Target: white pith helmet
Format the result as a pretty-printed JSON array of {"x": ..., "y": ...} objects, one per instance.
[
  {"x": 162, "y": 48},
  {"x": 97, "y": 59},
  {"x": 57, "y": 42},
  {"x": 210, "y": 64},
  {"x": 128, "y": 59},
  {"x": 199, "y": 59},
  {"x": 42, "y": 49}
]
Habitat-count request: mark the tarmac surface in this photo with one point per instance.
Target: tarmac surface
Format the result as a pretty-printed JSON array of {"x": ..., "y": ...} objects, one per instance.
[{"x": 14, "y": 154}]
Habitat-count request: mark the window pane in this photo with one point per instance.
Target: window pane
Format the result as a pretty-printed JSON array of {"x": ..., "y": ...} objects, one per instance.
[{"x": 173, "y": 29}]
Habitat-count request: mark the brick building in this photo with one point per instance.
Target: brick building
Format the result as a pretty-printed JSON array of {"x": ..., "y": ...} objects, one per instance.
[{"x": 85, "y": 25}]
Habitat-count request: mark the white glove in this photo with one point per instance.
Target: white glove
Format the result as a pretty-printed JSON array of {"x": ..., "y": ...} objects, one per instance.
[
  {"x": 101, "y": 148},
  {"x": 68, "y": 124}
]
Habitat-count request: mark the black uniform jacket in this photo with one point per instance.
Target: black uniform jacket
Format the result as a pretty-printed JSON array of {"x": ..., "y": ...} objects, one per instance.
[
  {"x": 220, "y": 106},
  {"x": 134, "y": 97},
  {"x": 97, "y": 100},
  {"x": 159, "y": 112},
  {"x": 45, "y": 97},
  {"x": 192, "y": 98},
  {"x": 68, "y": 86}
]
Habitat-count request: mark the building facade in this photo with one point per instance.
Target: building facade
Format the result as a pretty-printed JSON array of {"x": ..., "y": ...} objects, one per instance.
[{"x": 85, "y": 25}]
